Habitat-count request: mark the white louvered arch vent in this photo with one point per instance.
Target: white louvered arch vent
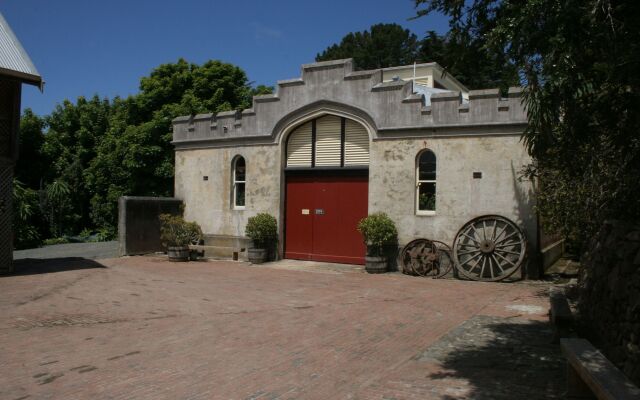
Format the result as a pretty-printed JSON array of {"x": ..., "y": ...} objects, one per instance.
[{"x": 328, "y": 141}]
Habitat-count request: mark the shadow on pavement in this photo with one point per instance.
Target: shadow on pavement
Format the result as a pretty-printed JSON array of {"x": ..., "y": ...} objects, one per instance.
[
  {"x": 501, "y": 359},
  {"x": 32, "y": 266}
]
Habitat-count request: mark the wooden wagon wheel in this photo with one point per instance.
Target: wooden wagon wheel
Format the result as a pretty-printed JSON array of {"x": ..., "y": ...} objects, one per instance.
[
  {"x": 445, "y": 262},
  {"x": 489, "y": 248},
  {"x": 420, "y": 257}
]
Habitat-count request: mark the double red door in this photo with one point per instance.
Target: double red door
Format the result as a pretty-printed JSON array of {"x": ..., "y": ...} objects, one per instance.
[{"x": 322, "y": 217}]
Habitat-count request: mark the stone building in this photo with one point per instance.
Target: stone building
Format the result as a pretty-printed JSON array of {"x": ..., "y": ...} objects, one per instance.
[
  {"x": 335, "y": 144},
  {"x": 15, "y": 69}
]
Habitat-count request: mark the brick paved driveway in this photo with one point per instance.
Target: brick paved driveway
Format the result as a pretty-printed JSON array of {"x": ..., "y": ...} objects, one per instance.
[{"x": 144, "y": 328}]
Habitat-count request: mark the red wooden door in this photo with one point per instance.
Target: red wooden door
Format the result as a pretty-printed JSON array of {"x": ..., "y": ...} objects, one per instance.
[{"x": 322, "y": 217}]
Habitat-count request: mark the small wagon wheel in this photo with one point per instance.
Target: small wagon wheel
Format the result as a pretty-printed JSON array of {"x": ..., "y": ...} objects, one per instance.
[
  {"x": 489, "y": 248},
  {"x": 445, "y": 262},
  {"x": 420, "y": 257}
]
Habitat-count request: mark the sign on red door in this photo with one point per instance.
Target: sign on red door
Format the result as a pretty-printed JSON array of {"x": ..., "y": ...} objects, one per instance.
[{"x": 322, "y": 217}]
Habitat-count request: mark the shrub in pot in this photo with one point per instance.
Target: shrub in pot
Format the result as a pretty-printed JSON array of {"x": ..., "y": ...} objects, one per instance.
[
  {"x": 379, "y": 233},
  {"x": 176, "y": 234},
  {"x": 262, "y": 229}
]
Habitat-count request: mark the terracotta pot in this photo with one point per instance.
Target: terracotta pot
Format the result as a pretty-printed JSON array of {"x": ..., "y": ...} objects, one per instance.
[
  {"x": 178, "y": 253},
  {"x": 257, "y": 256}
]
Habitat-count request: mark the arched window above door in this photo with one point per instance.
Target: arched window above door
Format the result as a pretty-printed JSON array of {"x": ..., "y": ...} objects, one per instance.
[{"x": 328, "y": 141}]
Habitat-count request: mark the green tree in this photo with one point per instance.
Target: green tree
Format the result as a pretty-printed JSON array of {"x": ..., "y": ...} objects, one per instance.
[
  {"x": 32, "y": 163},
  {"x": 385, "y": 45},
  {"x": 469, "y": 59},
  {"x": 135, "y": 156},
  {"x": 74, "y": 132},
  {"x": 85, "y": 155},
  {"x": 58, "y": 208},
  {"x": 463, "y": 55},
  {"x": 26, "y": 211},
  {"x": 579, "y": 63}
]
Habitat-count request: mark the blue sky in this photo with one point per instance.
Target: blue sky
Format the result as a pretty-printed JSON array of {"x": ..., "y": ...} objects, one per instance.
[{"x": 86, "y": 47}]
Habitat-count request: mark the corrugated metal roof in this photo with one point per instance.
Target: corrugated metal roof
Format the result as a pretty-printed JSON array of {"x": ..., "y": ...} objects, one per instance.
[{"x": 14, "y": 61}]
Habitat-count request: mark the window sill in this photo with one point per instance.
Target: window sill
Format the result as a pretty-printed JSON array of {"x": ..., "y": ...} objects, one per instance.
[
  {"x": 238, "y": 209},
  {"x": 425, "y": 213}
]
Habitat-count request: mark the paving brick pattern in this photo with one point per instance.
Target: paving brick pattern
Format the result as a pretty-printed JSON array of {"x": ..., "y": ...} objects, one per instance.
[{"x": 145, "y": 328}]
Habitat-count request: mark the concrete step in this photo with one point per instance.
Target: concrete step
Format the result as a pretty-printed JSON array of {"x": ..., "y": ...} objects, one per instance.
[
  {"x": 222, "y": 252},
  {"x": 226, "y": 241},
  {"x": 565, "y": 267}
]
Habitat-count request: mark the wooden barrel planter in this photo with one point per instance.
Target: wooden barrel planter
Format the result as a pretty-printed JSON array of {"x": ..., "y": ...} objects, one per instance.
[
  {"x": 257, "y": 256},
  {"x": 178, "y": 253},
  {"x": 375, "y": 264}
]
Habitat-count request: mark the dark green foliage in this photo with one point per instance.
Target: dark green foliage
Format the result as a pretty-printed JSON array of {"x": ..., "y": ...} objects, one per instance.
[
  {"x": 466, "y": 58},
  {"x": 580, "y": 63},
  {"x": 26, "y": 211},
  {"x": 71, "y": 141},
  {"x": 175, "y": 231},
  {"x": 378, "y": 230},
  {"x": 98, "y": 150},
  {"x": 136, "y": 156},
  {"x": 263, "y": 230},
  {"x": 385, "y": 45},
  {"x": 32, "y": 163}
]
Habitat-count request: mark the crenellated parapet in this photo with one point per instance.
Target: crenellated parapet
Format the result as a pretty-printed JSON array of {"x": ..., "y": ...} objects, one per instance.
[{"x": 390, "y": 109}]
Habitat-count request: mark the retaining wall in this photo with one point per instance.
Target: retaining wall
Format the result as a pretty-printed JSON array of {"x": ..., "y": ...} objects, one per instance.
[{"x": 610, "y": 294}]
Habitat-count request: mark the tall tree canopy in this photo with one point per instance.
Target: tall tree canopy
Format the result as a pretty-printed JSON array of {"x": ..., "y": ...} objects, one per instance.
[
  {"x": 469, "y": 59},
  {"x": 135, "y": 156},
  {"x": 461, "y": 54},
  {"x": 580, "y": 63},
  {"x": 385, "y": 45},
  {"x": 85, "y": 155}
]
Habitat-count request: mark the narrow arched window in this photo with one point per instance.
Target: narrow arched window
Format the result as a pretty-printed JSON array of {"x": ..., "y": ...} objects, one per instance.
[
  {"x": 239, "y": 181},
  {"x": 426, "y": 183}
]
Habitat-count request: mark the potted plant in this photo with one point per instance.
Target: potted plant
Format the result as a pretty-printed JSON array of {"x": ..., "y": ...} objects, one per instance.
[
  {"x": 379, "y": 232},
  {"x": 263, "y": 231},
  {"x": 176, "y": 234}
]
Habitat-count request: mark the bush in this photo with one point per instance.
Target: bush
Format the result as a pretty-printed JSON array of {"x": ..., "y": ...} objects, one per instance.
[
  {"x": 58, "y": 240},
  {"x": 378, "y": 230},
  {"x": 105, "y": 234},
  {"x": 25, "y": 215},
  {"x": 263, "y": 230},
  {"x": 175, "y": 231}
]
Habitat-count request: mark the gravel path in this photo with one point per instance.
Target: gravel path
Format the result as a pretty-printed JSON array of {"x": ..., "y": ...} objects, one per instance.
[{"x": 91, "y": 251}]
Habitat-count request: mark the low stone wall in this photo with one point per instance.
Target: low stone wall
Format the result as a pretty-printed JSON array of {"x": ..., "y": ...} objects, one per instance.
[
  {"x": 139, "y": 225},
  {"x": 610, "y": 294}
]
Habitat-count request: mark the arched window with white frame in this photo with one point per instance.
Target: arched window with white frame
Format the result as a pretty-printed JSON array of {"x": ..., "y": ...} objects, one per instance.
[
  {"x": 239, "y": 175},
  {"x": 426, "y": 183}
]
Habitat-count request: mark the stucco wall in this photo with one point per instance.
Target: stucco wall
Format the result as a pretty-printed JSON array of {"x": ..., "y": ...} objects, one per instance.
[
  {"x": 459, "y": 197},
  {"x": 392, "y": 179},
  {"x": 209, "y": 202},
  {"x": 481, "y": 135}
]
